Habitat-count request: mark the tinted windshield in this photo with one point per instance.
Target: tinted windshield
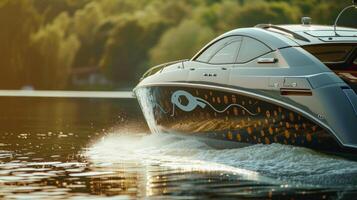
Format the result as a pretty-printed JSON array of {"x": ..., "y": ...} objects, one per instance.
[
  {"x": 208, "y": 53},
  {"x": 251, "y": 49},
  {"x": 334, "y": 53},
  {"x": 227, "y": 54}
]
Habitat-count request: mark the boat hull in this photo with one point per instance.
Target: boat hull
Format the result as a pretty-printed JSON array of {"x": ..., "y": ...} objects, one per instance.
[{"x": 229, "y": 115}]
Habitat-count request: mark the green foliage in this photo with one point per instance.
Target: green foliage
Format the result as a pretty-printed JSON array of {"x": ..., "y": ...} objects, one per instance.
[
  {"x": 87, "y": 23},
  {"x": 263, "y": 12},
  {"x": 56, "y": 50},
  {"x": 15, "y": 40},
  {"x": 43, "y": 41},
  {"x": 181, "y": 42},
  {"x": 128, "y": 44}
]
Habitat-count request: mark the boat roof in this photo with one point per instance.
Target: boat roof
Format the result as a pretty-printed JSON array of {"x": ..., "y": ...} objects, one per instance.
[
  {"x": 279, "y": 36},
  {"x": 314, "y": 34}
]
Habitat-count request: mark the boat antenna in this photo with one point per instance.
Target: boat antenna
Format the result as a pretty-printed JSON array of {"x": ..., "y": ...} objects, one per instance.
[{"x": 354, "y": 5}]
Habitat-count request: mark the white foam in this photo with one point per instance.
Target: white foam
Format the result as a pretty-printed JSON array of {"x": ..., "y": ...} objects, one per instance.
[{"x": 287, "y": 163}]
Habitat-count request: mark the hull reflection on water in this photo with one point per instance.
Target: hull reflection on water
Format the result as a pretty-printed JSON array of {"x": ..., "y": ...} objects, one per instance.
[
  {"x": 176, "y": 167},
  {"x": 170, "y": 166},
  {"x": 62, "y": 149},
  {"x": 138, "y": 166}
]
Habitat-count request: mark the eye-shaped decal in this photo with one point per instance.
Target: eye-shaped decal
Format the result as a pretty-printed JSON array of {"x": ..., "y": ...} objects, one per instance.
[{"x": 193, "y": 102}]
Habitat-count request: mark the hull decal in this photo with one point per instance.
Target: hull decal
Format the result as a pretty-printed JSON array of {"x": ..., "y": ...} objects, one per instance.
[
  {"x": 249, "y": 94},
  {"x": 193, "y": 102},
  {"x": 225, "y": 115}
]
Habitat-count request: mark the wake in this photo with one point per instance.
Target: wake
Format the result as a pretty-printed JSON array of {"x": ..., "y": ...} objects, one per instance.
[{"x": 281, "y": 162}]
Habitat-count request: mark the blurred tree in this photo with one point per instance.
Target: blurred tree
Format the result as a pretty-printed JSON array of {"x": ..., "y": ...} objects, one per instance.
[
  {"x": 127, "y": 47},
  {"x": 173, "y": 11},
  {"x": 116, "y": 8},
  {"x": 326, "y": 13},
  {"x": 219, "y": 16},
  {"x": 56, "y": 50},
  {"x": 49, "y": 10},
  {"x": 126, "y": 53},
  {"x": 181, "y": 42},
  {"x": 18, "y": 20},
  {"x": 86, "y": 24},
  {"x": 262, "y": 12},
  {"x": 41, "y": 40}
]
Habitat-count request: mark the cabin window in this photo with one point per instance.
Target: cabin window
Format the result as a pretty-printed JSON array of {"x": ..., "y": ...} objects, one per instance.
[
  {"x": 339, "y": 58},
  {"x": 330, "y": 53},
  {"x": 218, "y": 48},
  {"x": 251, "y": 49},
  {"x": 227, "y": 54}
]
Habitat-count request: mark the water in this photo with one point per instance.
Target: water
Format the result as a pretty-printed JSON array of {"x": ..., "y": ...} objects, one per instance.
[{"x": 53, "y": 148}]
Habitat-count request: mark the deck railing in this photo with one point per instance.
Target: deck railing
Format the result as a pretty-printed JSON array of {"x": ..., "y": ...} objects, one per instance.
[{"x": 160, "y": 67}]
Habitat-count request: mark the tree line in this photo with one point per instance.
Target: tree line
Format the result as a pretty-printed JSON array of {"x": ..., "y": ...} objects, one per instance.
[{"x": 42, "y": 41}]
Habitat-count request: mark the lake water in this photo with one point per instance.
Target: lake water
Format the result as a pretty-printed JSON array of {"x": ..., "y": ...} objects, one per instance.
[{"x": 57, "y": 148}]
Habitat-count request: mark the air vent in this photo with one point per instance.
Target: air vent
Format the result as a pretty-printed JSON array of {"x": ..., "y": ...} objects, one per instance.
[{"x": 295, "y": 92}]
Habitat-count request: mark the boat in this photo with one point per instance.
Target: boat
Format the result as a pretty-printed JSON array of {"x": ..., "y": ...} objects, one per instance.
[{"x": 288, "y": 84}]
